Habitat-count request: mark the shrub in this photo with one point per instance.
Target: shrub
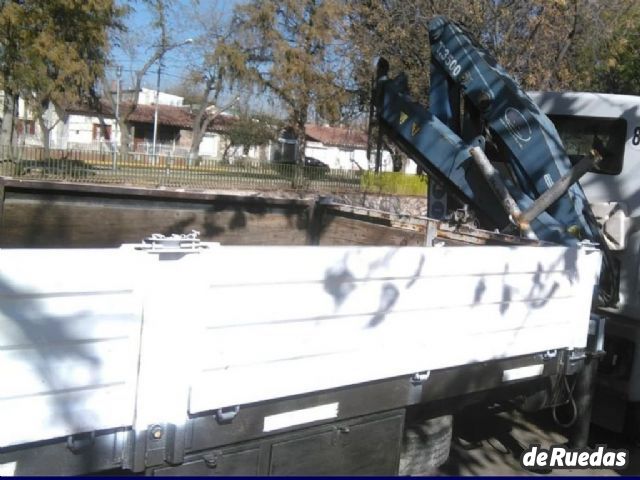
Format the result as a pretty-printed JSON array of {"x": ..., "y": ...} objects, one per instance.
[{"x": 394, "y": 183}]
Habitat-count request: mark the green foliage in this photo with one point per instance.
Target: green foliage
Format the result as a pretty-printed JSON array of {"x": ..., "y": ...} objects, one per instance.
[
  {"x": 615, "y": 65},
  {"x": 253, "y": 130},
  {"x": 295, "y": 49},
  {"x": 55, "y": 48},
  {"x": 544, "y": 44},
  {"x": 394, "y": 183}
]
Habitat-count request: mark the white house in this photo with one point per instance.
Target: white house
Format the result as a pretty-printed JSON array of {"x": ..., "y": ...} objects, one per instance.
[
  {"x": 338, "y": 147},
  {"x": 84, "y": 128},
  {"x": 26, "y": 128},
  {"x": 341, "y": 148},
  {"x": 147, "y": 96}
]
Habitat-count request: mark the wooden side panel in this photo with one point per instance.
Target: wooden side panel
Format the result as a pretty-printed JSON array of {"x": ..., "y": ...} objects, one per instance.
[
  {"x": 57, "y": 220},
  {"x": 337, "y": 230}
]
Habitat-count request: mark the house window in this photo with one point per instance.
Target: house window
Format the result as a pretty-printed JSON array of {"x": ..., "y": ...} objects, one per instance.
[
  {"x": 101, "y": 132},
  {"x": 26, "y": 127}
]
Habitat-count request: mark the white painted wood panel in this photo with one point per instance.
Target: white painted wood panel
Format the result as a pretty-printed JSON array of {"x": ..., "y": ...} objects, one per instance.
[
  {"x": 41, "y": 417},
  {"x": 93, "y": 339},
  {"x": 377, "y": 296},
  {"x": 293, "y": 321},
  {"x": 69, "y": 342}
]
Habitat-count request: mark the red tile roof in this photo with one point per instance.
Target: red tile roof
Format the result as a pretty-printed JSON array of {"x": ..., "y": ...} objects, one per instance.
[
  {"x": 180, "y": 117},
  {"x": 336, "y": 136},
  {"x": 167, "y": 115}
]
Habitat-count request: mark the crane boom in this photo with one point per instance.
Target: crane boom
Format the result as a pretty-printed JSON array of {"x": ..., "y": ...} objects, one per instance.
[{"x": 497, "y": 112}]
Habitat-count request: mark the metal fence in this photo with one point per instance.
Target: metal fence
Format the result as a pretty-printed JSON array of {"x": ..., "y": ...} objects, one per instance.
[{"x": 172, "y": 171}]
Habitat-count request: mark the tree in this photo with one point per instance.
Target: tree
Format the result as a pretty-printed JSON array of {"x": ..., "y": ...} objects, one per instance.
[
  {"x": 294, "y": 49},
  {"x": 53, "y": 51},
  {"x": 252, "y": 130},
  {"x": 543, "y": 44},
  {"x": 613, "y": 64},
  {"x": 13, "y": 35},
  {"x": 160, "y": 9},
  {"x": 206, "y": 72},
  {"x": 188, "y": 89}
]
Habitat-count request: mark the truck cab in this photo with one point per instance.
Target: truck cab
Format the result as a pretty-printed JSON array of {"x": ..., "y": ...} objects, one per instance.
[{"x": 610, "y": 124}]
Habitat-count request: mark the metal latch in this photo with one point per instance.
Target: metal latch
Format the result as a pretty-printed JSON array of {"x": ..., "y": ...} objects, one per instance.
[
  {"x": 418, "y": 378},
  {"x": 226, "y": 415},
  {"x": 81, "y": 441},
  {"x": 574, "y": 361},
  {"x": 175, "y": 243}
]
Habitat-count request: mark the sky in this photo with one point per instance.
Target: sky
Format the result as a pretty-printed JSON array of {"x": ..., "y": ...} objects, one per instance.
[{"x": 142, "y": 35}]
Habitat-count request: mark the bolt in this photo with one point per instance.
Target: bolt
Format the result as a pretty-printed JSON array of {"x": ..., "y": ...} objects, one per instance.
[
  {"x": 156, "y": 432},
  {"x": 484, "y": 101},
  {"x": 211, "y": 460}
]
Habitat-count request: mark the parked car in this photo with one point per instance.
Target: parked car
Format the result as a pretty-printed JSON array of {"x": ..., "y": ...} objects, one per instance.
[
  {"x": 314, "y": 162},
  {"x": 314, "y": 169},
  {"x": 308, "y": 162}
]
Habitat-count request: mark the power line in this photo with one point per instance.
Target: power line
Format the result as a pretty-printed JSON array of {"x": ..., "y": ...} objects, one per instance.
[{"x": 154, "y": 72}]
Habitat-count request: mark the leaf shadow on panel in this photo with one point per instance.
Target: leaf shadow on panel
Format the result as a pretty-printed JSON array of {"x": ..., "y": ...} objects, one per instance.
[
  {"x": 53, "y": 352},
  {"x": 340, "y": 283}
]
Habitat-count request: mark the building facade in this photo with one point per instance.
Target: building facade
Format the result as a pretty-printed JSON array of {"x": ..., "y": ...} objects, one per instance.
[{"x": 85, "y": 128}]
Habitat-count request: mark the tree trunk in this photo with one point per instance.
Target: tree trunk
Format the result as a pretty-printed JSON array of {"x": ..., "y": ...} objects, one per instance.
[
  {"x": 299, "y": 121},
  {"x": 6, "y": 136},
  {"x": 397, "y": 163},
  {"x": 194, "y": 149},
  {"x": 301, "y": 146},
  {"x": 125, "y": 140},
  {"x": 301, "y": 135},
  {"x": 46, "y": 138},
  {"x": 225, "y": 153},
  {"x": 193, "y": 155}
]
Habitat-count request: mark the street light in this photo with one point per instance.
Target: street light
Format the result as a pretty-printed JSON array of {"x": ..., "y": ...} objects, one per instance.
[{"x": 155, "y": 115}]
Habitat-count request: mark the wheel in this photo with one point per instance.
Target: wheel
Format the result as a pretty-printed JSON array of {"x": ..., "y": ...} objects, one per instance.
[{"x": 425, "y": 445}]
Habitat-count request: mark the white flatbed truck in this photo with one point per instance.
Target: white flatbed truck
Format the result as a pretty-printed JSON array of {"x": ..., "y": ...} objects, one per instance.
[
  {"x": 206, "y": 359},
  {"x": 179, "y": 357}
]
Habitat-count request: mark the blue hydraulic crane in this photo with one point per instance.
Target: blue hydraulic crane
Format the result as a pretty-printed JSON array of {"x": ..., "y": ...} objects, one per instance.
[{"x": 529, "y": 171}]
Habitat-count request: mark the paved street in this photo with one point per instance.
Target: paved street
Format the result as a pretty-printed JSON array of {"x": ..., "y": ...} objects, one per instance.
[{"x": 491, "y": 444}]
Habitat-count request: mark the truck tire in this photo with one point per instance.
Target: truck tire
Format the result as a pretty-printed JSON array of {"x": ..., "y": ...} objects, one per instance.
[{"x": 425, "y": 445}]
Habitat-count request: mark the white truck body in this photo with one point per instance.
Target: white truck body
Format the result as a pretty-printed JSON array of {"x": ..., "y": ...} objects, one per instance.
[
  {"x": 95, "y": 339},
  {"x": 581, "y": 118},
  {"x": 614, "y": 198}
]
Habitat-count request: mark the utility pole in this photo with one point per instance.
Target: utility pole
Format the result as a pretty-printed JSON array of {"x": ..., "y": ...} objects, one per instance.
[
  {"x": 116, "y": 139},
  {"x": 155, "y": 114}
]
